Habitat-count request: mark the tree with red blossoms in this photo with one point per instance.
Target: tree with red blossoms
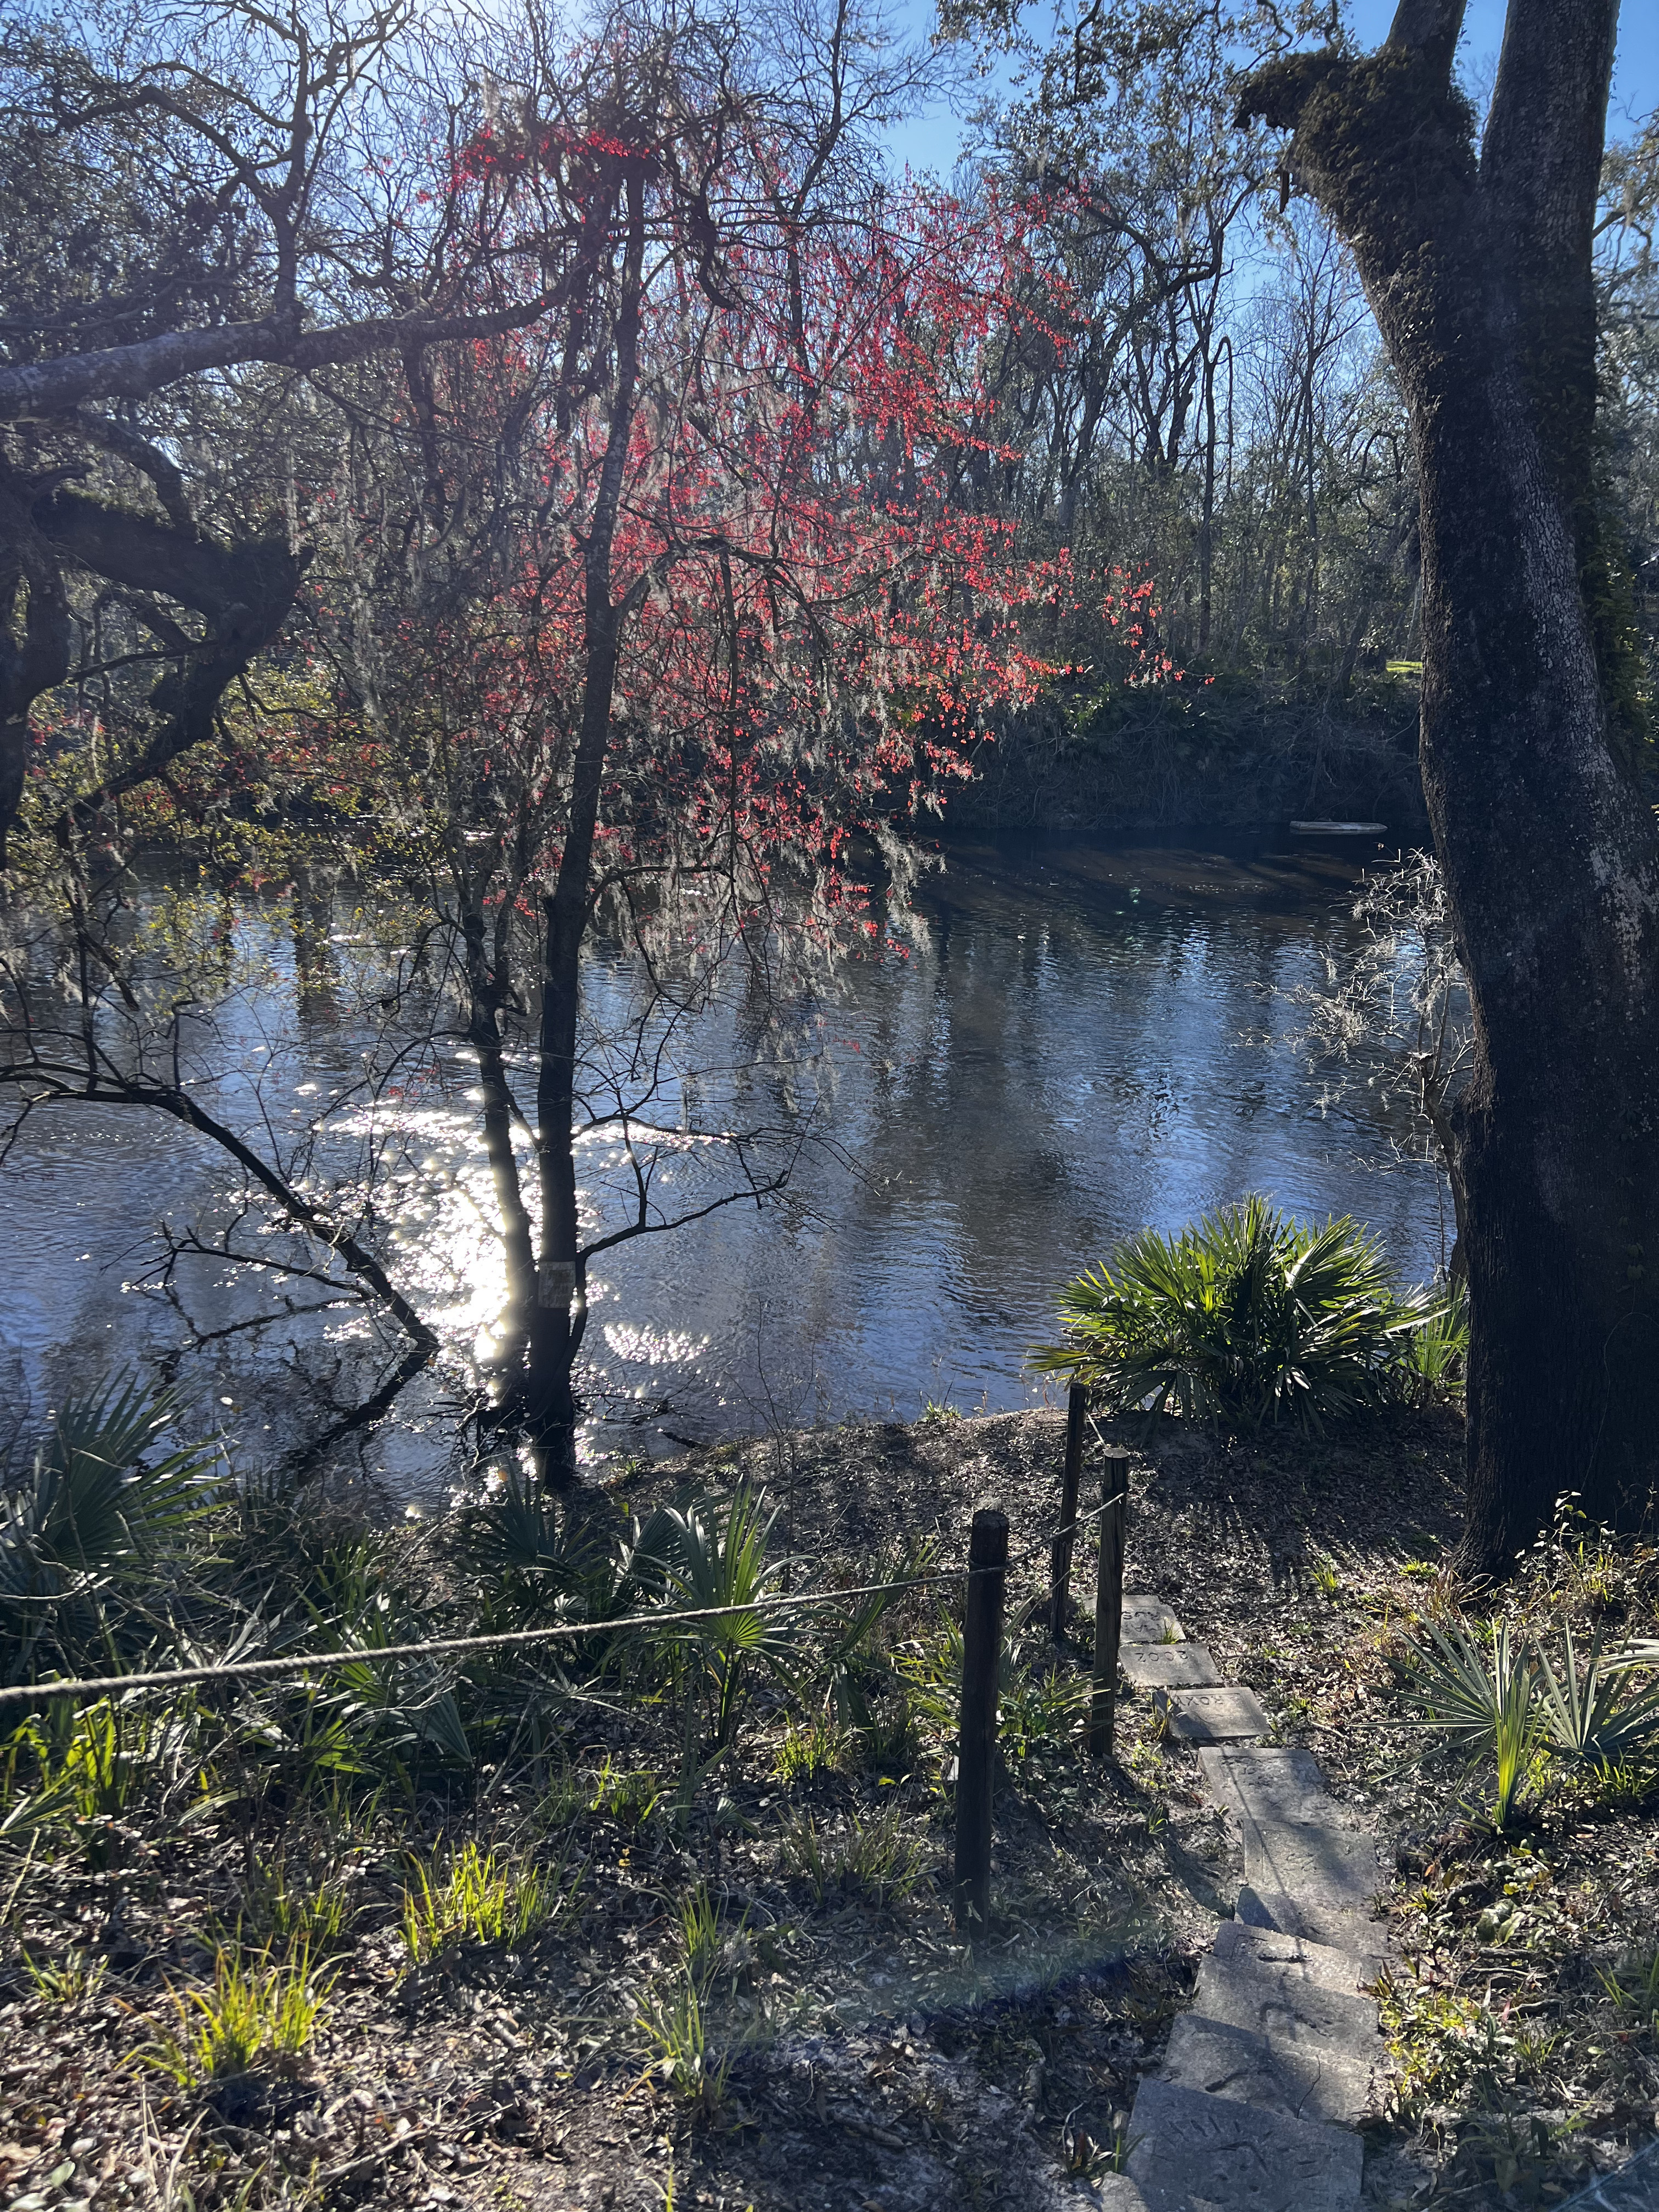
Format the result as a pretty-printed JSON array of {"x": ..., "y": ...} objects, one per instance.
[
  {"x": 719, "y": 615},
  {"x": 627, "y": 627}
]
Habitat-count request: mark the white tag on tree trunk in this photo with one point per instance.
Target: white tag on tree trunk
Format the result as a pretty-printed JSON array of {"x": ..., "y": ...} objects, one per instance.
[{"x": 556, "y": 1282}]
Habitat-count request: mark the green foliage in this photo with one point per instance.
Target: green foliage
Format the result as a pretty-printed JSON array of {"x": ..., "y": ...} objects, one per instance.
[
  {"x": 1245, "y": 1316},
  {"x": 481, "y": 1896},
  {"x": 676, "y": 2030},
  {"x": 314, "y": 1913},
  {"x": 95, "y": 1765},
  {"x": 930, "y": 1669},
  {"x": 257, "y": 2007},
  {"x": 880, "y": 1859},
  {"x": 535, "y": 1565},
  {"x": 1039, "y": 1705},
  {"x": 1322, "y": 1572},
  {"x": 70, "y": 1980},
  {"x": 890, "y": 1741},
  {"x": 1626, "y": 1786},
  {"x": 1437, "y": 2039},
  {"x": 1436, "y": 1350},
  {"x": 808, "y": 1750},
  {"x": 1040, "y": 1708},
  {"x": 95, "y": 1514},
  {"x": 1505, "y": 1703},
  {"x": 1480, "y": 1709},
  {"x": 296, "y": 1746},
  {"x": 1598, "y": 1722},
  {"x": 701, "y": 1932},
  {"x": 711, "y": 1557},
  {"x": 516, "y": 1529},
  {"x": 1577, "y": 1563},
  {"x": 402, "y": 1708},
  {"x": 629, "y": 1796},
  {"x": 857, "y": 1664},
  {"x": 1634, "y": 1986}
]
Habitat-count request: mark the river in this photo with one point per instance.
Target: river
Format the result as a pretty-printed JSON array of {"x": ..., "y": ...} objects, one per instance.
[{"x": 1080, "y": 1043}]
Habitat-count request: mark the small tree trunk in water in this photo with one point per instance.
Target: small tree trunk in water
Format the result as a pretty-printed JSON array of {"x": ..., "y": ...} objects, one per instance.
[
  {"x": 560, "y": 1313},
  {"x": 1481, "y": 279},
  {"x": 485, "y": 1033}
]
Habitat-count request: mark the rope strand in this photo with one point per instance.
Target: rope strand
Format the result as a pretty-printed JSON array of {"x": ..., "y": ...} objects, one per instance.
[{"x": 298, "y": 1663}]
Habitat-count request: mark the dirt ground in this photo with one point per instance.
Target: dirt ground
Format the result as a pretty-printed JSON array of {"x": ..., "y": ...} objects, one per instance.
[{"x": 855, "y": 2055}]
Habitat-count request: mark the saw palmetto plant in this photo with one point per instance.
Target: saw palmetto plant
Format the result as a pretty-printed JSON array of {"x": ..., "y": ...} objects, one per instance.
[
  {"x": 712, "y": 1556},
  {"x": 1246, "y": 1316},
  {"x": 1505, "y": 1701},
  {"x": 98, "y": 1506}
]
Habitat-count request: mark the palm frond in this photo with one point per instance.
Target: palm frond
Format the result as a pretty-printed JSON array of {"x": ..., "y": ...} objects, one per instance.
[
  {"x": 1595, "y": 1722},
  {"x": 96, "y": 1510},
  {"x": 1482, "y": 1703},
  {"x": 91, "y": 1501},
  {"x": 1244, "y": 1315}
]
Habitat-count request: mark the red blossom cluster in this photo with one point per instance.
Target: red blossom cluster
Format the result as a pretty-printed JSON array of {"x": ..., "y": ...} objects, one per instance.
[{"x": 817, "y": 626}]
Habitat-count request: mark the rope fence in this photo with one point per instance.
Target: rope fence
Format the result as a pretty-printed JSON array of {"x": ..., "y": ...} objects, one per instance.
[
  {"x": 985, "y": 1578},
  {"x": 298, "y": 1663}
]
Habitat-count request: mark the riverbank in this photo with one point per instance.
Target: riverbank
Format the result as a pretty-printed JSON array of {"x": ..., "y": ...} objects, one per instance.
[
  {"x": 564, "y": 1947},
  {"x": 1228, "y": 755}
]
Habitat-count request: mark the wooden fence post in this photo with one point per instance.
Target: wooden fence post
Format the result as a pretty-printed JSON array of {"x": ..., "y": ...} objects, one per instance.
[
  {"x": 1059, "y": 1570},
  {"x": 1109, "y": 1601},
  {"x": 981, "y": 1646}
]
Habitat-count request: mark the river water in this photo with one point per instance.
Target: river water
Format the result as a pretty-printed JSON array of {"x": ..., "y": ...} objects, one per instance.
[{"x": 1079, "y": 1044}]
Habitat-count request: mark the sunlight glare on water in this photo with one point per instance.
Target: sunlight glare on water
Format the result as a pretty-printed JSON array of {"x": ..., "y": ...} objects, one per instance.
[{"x": 1080, "y": 1043}]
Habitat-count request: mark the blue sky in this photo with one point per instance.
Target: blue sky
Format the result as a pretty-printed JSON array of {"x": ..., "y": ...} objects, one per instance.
[{"x": 933, "y": 140}]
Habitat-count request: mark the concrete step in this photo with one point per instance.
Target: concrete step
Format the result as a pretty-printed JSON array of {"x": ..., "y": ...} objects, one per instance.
[
  {"x": 1310, "y": 1869},
  {"x": 1115, "y": 2192},
  {"x": 1281, "y": 2003},
  {"x": 1331, "y": 1968},
  {"x": 1190, "y": 2149},
  {"x": 1219, "y": 1715},
  {"x": 1149, "y": 1620},
  {"x": 1303, "y": 2081},
  {"x": 1268, "y": 1785},
  {"x": 1169, "y": 1666},
  {"x": 1329, "y": 1869},
  {"x": 1290, "y": 1914}
]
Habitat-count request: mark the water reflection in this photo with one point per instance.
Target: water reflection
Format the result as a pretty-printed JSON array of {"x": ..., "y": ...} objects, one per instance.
[
  {"x": 1065, "y": 1060},
  {"x": 1073, "y": 1049}
]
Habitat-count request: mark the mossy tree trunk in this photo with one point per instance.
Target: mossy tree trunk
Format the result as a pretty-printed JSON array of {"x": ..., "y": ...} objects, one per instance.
[{"x": 1479, "y": 271}]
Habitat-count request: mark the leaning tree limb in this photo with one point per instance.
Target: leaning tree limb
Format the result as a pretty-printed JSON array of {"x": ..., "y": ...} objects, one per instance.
[{"x": 47, "y": 1082}]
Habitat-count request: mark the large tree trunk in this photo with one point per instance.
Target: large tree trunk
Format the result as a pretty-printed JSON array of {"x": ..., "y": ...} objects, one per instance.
[{"x": 1480, "y": 278}]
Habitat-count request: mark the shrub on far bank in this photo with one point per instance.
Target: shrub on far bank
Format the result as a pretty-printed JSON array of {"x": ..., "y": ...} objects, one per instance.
[{"x": 1247, "y": 1316}]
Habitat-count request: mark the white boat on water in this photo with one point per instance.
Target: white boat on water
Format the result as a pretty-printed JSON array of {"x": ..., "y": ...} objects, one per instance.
[{"x": 1342, "y": 829}]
